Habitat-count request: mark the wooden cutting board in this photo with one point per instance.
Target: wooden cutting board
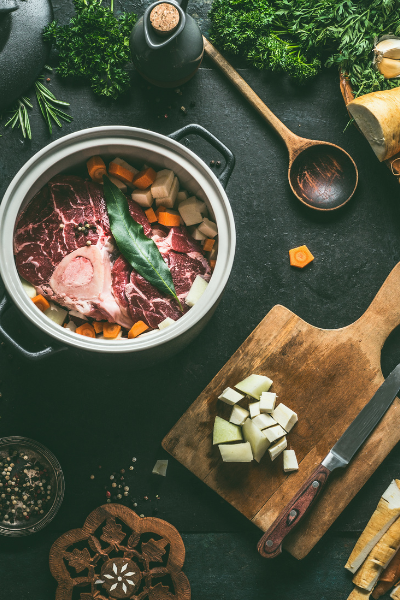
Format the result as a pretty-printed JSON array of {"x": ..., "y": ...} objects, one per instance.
[{"x": 326, "y": 376}]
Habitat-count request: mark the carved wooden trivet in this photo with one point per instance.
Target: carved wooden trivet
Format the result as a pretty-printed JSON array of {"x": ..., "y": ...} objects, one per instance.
[{"x": 117, "y": 554}]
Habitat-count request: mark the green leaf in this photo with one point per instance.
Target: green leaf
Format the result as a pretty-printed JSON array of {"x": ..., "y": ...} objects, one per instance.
[{"x": 140, "y": 251}]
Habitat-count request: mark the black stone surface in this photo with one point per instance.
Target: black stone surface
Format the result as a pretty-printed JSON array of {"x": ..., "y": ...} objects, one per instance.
[{"x": 90, "y": 416}]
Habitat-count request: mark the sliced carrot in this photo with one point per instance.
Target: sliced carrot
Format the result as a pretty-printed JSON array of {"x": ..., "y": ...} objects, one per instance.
[
  {"x": 111, "y": 330},
  {"x": 41, "y": 302},
  {"x": 98, "y": 326},
  {"x": 208, "y": 245},
  {"x": 169, "y": 219},
  {"x": 144, "y": 178},
  {"x": 300, "y": 257},
  {"x": 151, "y": 215},
  {"x": 137, "y": 329},
  {"x": 159, "y": 210},
  {"x": 120, "y": 172},
  {"x": 212, "y": 264},
  {"x": 96, "y": 168},
  {"x": 87, "y": 330}
]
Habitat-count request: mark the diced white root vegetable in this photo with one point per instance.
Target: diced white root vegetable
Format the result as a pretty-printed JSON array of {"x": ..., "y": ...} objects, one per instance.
[
  {"x": 230, "y": 396},
  {"x": 267, "y": 402},
  {"x": 181, "y": 196},
  {"x": 290, "y": 461},
  {"x": 162, "y": 184},
  {"x": 198, "y": 288},
  {"x": 254, "y": 409},
  {"x": 263, "y": 421},
  {"x": 226, "y": 432},
  {"x": 202, "y": 206},
  {"x": 277, "y": 448},
  {"x": 189, "y": 210},
  {"x": 359, "y": 594},
  {"x": 76, "y": 313},
  {"x": 236, "y": 452},
  {"x": 120, "y": 184},
  {"x": 160, "y": 468},
  {"x": 285, "y": 417},
  {"x": 166, "y": 323},
  {"x": 212, "y": 255},
  {"x": 123, "y": 163},
  {"x": 238, "y": 415},
  {"x": 142, "y": 197},
  {"x": 28, "y": 288},
  {"x": 208, "y": 228},
  {"x": 387, "y": 511},
  {"x": 259, "y": 442},
  {"x": 254, "y": 385},
  {"x": 169, "y": 200},
  {"x": 395, "y": 595},
  {"x": 196, "y": 234},
  {"x": 71, "y": 326},
  {"x": 274, "y": 433},
  {"x": 56, "y": 313}
]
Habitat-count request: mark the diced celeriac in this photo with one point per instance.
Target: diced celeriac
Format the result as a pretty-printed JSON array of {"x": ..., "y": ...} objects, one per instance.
[
  {"x": 71, "y": 326},
  {"x": 196, "y": 234},
  {"x": 225, "y": 432},
  {"x": 56, "y": 313},
  {"x": 162, "y": 184},
  {"x": 236, "y": 452},
  {"x": 254, "y": 385},
  {"x": 274, "y": 433},
  {"x": 189, "y": 210},
  {"x": 76, "y": 313},
  {"x": 182, "y": 195},
  {"x": 285, "y": 417},
  {"x": 290, "y": 461},
  {"x": 254, "y": 408},
  {"x": 208, "y": 228},
  {"x": 28, "y": 288},
  {"x": 238, "y": 415},
  {"x": 160, "y": 468},
  {"x": 230, "y": 396},
  {"x": 267, "y": 402},
  {"x": 120, "y": 184},
  {"x": 395, "y": 594},
  {"x": 142, "y": 197},
  {"x": 169, "y": 200},
  {"x": 263, "y": 421},
  {"x": 259, "y": 442},
  {"x": 166, "y": 323},
  {"x": 198, "y": 288},
  {"x": 277, "y": 448}
]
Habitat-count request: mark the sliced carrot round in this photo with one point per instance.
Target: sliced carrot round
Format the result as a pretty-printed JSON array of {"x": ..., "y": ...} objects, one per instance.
[
  {"x": 41, "y": 302},
  {"x": 111, "y": 330},
  {"x": 300, "y": 257},
  {"x": 137, "y": 329},
  {"x": 87, "y": 330}
]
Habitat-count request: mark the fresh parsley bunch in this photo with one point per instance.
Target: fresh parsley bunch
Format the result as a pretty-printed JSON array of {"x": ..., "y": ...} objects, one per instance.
[{"x": 95, "y": 46}]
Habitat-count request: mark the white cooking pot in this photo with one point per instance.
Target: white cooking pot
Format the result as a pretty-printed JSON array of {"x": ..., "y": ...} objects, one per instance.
[{"x": 137, "y": 146}]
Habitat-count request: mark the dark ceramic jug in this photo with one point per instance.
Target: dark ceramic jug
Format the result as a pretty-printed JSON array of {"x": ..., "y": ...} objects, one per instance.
[{"x": 167, "y": 58}]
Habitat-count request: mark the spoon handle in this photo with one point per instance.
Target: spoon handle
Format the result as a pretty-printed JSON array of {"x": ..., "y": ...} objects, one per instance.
[{"x": 291, "y": 140}]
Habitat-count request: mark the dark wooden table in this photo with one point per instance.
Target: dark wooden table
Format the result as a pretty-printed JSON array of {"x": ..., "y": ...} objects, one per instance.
[{"x": 91, "y": 417}]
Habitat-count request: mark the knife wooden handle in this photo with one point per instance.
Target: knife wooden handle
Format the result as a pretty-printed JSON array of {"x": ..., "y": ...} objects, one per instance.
[{"x": 270, "y": 544}]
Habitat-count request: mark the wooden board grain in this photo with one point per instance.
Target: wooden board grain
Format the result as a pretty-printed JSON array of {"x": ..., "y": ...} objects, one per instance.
[{"x": 327, "y": 377}]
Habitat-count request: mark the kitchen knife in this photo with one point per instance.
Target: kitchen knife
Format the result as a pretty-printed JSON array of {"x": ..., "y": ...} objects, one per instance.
[{"x": 341, "y": 454}]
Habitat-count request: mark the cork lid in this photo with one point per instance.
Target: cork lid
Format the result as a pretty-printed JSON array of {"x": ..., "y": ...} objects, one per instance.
[{"x": 164, "y": 18}]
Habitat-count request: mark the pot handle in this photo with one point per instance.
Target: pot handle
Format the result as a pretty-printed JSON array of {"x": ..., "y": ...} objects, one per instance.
[
  {"x": 5, "y": 304},
  {"x": 211, "y": 139}
]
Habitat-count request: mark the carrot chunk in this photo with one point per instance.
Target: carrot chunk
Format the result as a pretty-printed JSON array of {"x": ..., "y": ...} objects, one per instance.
[
  {"x": 137, "y": 329},
  {"x": 87, "y": 330},
  {"x": 159, "y": 210},
  {"x": 41, "y": 302},
  {"x": 208, "y": 245},
  {"x": 212, "y": 264},
  {"x": 168, "y": 219},
  {"x": 98, "y": 326},
  {"x": 300, "y": 257},
  {"x": 96, "y": 168},
  {"x": 120, "y": 172},
  {"x": 144, "y": 178},
  {"x": 111, "y": 330},
  {"x": 151, "y": 215}
]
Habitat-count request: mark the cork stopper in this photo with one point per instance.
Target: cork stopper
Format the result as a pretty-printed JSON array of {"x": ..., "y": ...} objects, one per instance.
[{"x": 164, "y": 18}]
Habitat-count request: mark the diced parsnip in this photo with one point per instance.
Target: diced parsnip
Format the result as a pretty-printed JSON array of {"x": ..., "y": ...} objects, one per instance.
[
  {"x": 28, "y": 288},
  {"x": 277, "y": 448},
  {"x": 230, "y": 396},
  {"x": 190, "y": 211},
  {"x": 387, "y": 511},
  {"x": 274, "y": 433},
  {"x": 395, "y": 595},
  {"x": 142, "y": 197},
  {"x": 285, "y": 417},
  {"x": 181, "y": 196},
  {"x": 238, "y": 415},
  {"x": 267, "y": 402},
  {"x": 56, "y": 313},
  {"x": 226, "y": 432},
  {"x": 208, "y": 228},
  {"x": 359, "y": 594},
  {"x": 254, "y": 385},
  {"x": 196, "y": 234},
  {"x": 236, "y": 452},
  {"x": 163, "y": 183},
  {"x": 160, "y": 468},
  {"x": 169, "y": 200},
  {"x": 263, "y": 421},
  {"x": 259, "y": 442},
  {"x": 120, "y": 184},
  {"x": 254, "y": 408},
  {"x": 71, "y": 326},
  {"x": 290, "y": 461},
  {"x": 198, "y": 288},
  {"x": 166, "y": 323}
]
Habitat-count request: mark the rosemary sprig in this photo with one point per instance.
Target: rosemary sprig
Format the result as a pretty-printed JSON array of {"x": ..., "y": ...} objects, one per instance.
[{"x": 20, "y": 116}]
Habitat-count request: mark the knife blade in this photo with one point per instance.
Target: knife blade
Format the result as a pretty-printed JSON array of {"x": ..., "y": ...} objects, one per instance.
[{"x": 270, "y": 545}]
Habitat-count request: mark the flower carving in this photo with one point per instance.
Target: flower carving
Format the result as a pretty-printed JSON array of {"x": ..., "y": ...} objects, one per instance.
[{"x": 120, "y": 576}]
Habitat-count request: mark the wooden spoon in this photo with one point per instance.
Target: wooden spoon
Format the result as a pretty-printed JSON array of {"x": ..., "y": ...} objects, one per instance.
[{"x": 322, "y": 175}]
